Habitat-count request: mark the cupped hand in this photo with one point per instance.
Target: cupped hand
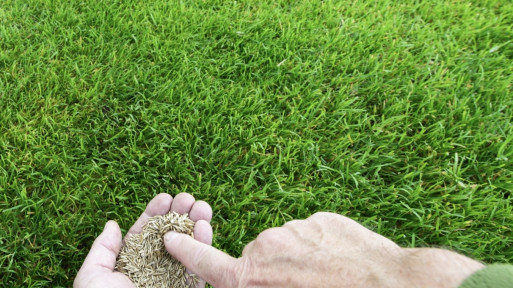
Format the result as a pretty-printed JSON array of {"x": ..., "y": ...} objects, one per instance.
[
  {"x": 325, "y": 250},
  {"x": 98, "y": 267}
]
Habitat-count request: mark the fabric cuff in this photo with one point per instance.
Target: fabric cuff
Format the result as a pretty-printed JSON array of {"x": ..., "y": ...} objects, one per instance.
[{"x": 492, "y": 276}]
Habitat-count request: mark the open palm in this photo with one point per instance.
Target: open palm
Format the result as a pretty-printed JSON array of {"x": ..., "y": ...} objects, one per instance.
[{"x": 98, "y": 267}]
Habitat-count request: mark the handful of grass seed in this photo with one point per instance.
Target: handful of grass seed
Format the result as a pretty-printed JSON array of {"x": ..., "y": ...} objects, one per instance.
[{"x": 144, "y": 258}]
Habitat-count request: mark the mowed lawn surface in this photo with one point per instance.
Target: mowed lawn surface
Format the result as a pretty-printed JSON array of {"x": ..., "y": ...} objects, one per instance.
[{"x": 395, "y": 113}]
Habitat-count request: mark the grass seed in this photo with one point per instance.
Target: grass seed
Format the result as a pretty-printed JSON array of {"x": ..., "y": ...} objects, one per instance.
[{"x": 144, "y": 258}]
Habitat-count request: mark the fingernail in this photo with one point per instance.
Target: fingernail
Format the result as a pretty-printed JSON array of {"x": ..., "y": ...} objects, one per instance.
[{"x": 170, "y": 236}]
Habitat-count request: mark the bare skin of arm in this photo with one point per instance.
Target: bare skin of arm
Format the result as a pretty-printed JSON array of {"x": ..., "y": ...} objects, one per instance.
[{"x": 325, "y": 250}]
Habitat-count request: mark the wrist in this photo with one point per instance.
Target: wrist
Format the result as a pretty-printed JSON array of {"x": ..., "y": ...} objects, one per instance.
[{"x": 431, "y": 267}]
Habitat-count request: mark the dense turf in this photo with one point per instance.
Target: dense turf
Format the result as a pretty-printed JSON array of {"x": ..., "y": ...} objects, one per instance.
[{"x": 396, "y": 113}]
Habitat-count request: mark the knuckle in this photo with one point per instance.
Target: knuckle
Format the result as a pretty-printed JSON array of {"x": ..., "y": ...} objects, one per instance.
[
  {"x": 268, "y": 236},
  {"x": 325, "y": 216},
  {"x": 270, "y": 239},
  {"x": 248, "y": 248},
  {"x": 293, "y": 223}
]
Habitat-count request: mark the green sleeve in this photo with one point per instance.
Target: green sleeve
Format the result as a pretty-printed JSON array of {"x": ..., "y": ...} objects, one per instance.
[{"x": 496, "y": 275}]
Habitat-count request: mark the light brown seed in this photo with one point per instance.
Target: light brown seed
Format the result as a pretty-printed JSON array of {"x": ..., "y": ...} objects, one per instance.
[{"x": 144, "y": 258}]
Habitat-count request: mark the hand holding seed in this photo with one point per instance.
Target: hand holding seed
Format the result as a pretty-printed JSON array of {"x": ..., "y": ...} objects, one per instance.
[
  {"x": 98, "y": 267},
  {"x": 325, "y": 250}
]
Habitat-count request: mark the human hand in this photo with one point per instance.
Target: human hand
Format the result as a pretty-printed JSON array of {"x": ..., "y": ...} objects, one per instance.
[
  {"x": 98, "y": 267},
  {"x": 325, "y": 250}
]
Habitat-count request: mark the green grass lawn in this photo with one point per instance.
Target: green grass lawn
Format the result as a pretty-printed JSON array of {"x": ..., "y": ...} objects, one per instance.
[{"x": 398, "y": 114}]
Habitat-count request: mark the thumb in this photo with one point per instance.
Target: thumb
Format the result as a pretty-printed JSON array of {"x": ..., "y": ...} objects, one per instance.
[
  {"x": 105, "y": 249},
  {"x": 212, "y": 265}
]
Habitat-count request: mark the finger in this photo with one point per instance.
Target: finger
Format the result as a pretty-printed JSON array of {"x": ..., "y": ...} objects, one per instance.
[
  {"x": 203, "y": 232},
  {"x": 210, "y": 264},
  {"x": 201, "y": 211},
  {"x": 105, "y": 249},
  {"x": 159, "y": 205},
  {"x": 183, "y": 203}
]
